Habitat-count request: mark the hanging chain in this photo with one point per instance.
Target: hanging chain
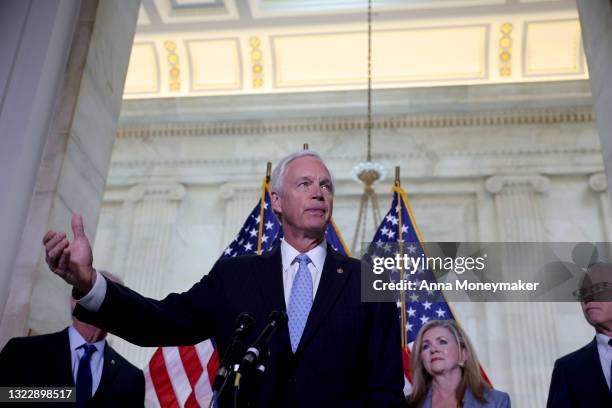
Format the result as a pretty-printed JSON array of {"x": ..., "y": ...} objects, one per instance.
[{"x": 369, "y": 156}]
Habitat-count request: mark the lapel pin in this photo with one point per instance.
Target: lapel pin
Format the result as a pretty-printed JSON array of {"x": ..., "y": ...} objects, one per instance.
[
  {"x": 340, "y": 270},
  {"x": 113, "y": 361}
]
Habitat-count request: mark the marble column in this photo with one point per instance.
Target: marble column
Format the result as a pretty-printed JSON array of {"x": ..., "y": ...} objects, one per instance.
[
  {"x": 531, "y": 345},
  {"x": 596, "y": 24},
  {"x": 153, "y": 208},
  {"x": 36, "y": 41},
  {"x": 67, "y": 163}
]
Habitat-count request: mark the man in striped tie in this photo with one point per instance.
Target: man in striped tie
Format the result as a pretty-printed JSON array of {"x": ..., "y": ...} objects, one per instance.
[{"x": 336, "y": 350}]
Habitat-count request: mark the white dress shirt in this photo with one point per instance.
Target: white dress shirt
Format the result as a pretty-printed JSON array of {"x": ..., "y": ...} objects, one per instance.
[
  {"x": 94, "y": 298},
  {"x": 97, "y": 358},
  {"x": 605, "y": 354},
  {"x": 317, "y": 259}
]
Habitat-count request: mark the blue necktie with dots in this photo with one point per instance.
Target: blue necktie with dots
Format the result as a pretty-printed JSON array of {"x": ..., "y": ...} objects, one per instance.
[
  {"x": 300, "y": 300},
  {"x": 84, "y": 380}
]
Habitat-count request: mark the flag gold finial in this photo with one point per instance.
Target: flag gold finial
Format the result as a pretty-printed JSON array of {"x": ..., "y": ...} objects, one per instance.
[
  {"x": 305, "y": 146},
  {"x": 268, "y": 171},
  {"x": 397, "y": 176}
]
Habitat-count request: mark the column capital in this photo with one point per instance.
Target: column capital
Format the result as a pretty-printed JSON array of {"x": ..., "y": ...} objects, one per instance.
[
  {"x": 164, "y": 191},
  {"x": 234, "y": 190},
  {"x": 598, "y": 182},
  {"x": 537, "y": 182}
]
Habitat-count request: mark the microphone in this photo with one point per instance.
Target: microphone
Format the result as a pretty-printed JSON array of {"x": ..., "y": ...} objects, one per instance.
[
  {"x": 243, "y": 326},
  {"x": 276, "y": 321}
]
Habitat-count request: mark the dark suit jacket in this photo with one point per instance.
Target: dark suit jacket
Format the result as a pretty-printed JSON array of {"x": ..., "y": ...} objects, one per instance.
[
  {"x": 578, "y": 381},
  {"x": 45, "y": 360},
  {"x": 349, "y": 354}
]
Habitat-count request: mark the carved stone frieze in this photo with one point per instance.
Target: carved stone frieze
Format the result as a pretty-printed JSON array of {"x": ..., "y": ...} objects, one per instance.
[
  {"x": 168, "y": 191},
  {"x": 459, "y": 119}
]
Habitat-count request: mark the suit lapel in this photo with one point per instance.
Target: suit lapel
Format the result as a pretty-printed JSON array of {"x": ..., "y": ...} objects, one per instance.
[
  {"x": 268, "y": 273},
  {"x": 594, "y": 366},
  {"x": 330, "y": 286},
  {"x": 269, "y": 277},
  {"x": 64, "y": 358},
  {"x": 109, "y": 371}
]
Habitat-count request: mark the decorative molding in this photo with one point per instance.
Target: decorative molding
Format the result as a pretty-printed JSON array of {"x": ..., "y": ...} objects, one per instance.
[
  {"x": 495, "y": 184},
  {"x": 171, "y": 12},
  {"x": 353, "y": 158},
  {"x": 460, "y": 119},
  {"x": 256, "y": 61},
  {"x": 173, "y": 62},
  {"x": 164, "y": 191},
  {"x": 505, "y": 50},
  {"x": 598, "y": 182}
]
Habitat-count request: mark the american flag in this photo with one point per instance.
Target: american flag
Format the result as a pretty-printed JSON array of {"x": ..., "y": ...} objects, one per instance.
[
  {"x": 183, "y": 376},
  {"x": 398, "y": 233}
]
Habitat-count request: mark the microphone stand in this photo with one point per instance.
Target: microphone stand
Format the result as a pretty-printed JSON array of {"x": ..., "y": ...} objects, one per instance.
[
  {"x": 256, "y": 356},
  {"x": 258, "y": 377}
]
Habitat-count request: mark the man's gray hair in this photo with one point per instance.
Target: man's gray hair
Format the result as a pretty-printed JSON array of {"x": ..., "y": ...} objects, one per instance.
[{"x": 278, "y": 174}]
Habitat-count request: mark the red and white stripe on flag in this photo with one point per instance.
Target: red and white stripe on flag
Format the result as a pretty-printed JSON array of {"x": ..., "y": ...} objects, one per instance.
[
  {"x": 181, "y": 376},
  {"x": 407, "y": 374}
]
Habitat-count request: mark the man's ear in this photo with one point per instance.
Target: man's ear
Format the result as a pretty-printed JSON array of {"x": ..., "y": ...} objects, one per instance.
[{"x": 276, "y": 202}]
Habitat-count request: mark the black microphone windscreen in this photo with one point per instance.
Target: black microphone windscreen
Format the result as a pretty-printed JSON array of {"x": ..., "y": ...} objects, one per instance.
[
  {"x": 246, "y": 320},
  {"x": 279, "y": 317}
]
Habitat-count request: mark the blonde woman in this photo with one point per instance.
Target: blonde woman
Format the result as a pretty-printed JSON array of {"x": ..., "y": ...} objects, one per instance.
[{"x": 446, "y": 373}]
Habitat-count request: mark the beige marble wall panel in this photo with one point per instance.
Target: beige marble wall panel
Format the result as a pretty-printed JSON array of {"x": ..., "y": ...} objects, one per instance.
[
  {"x": 84, "y": 164},
  {"x": 42, "y": 36},
  {"x": 596, "y": 24}
]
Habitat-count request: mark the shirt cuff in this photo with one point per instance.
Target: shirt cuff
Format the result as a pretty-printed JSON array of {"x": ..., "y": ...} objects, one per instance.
[{"x": 94, "y": 298}]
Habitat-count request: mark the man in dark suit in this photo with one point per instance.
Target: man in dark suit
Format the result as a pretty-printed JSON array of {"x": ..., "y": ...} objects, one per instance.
[
  {"x": 77, "y": 356},
  {"x": 336, "y": 350},
  {"x": 583, "y": 378}
]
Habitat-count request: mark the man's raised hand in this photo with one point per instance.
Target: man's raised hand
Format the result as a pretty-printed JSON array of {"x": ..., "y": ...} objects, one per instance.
[{"x": 71, "y": 261}]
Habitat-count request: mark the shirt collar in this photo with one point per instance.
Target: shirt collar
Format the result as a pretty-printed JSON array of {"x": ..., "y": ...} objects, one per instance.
[
  {"x": 316, "y": 254},
  {"x": 602, "y": 340},
  {"x": 76, "y": 341}
]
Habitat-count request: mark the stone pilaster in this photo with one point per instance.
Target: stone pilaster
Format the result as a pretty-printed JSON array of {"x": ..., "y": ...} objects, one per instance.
[
  {"x": 530, "y": 326},
  {"x": 239, "y": 202},
  {"x": 153, "y": 211}
]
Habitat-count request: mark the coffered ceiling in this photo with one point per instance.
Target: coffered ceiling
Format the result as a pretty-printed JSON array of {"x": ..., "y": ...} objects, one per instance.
[{"x": 212, "y": 47}]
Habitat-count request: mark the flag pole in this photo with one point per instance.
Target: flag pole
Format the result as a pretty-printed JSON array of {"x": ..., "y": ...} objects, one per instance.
[
  {"x": 401, "y": 253},
  {"x": 262, "y": 201}
]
